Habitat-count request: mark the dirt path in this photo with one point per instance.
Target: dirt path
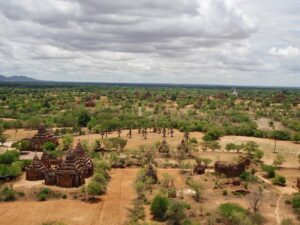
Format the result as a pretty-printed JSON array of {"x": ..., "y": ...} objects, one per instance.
[
  {"x": 118, "y": 199},
  {"x": 282, "y": 191},
  {"x": 277, "y": 209}
]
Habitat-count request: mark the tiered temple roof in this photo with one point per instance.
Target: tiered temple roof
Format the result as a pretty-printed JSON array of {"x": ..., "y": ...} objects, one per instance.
[
  {"x": 67, "y": 175},
  {"x": 36, "y": 170},
  {"x": 40, "y": 138},
  {"x": 83, "y": 162}
]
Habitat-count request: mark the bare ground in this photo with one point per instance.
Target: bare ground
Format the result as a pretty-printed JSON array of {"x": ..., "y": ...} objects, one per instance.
[{"x": 111, "y": 210}]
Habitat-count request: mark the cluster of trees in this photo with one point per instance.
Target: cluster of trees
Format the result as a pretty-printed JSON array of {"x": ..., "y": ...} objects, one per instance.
[
  {"x": 163, "y": 208},
  {"x": 232, "y": 213},
  {"x": 10, "y": 165},
  {"x": 97, "y": 186}
]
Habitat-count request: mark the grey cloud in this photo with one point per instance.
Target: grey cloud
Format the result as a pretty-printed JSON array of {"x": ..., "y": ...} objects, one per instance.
[{"x": 162, "y": 40}]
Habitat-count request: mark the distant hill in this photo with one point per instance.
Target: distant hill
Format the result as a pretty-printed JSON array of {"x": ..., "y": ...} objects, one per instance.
[{"x": 18, "y": 79}]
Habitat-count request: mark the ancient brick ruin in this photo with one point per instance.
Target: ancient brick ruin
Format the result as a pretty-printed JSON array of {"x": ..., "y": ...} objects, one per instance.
[
  {"x": 39, "y": 139},
  {"x": 67, "y": 173},
  {"x": 199, "y": 168},
  {"x": 36, "y": 170},
  {"x": 164, "y": 148},
  {"x": 230, "y": 169}
]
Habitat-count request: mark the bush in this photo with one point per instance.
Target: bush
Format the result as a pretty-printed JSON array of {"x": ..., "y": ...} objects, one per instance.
[
  {"x": 296, "y": 201},
  {"x": 229, "y": 209},
  {"x": 7, "y": 193},
  {"x": 45, "y": 193},
  {"x": 212, "y": 135},
  {"x": 176, "y": 212},
  {"x": 270, "y": 170},
  {"x": 159, "y": 207},
  {"x": 286, "y": 222},
  {"x": 9, "y": 157},
  {"x": 246, "y": 176},
  {"x": 279, "y": 180},
  {"x": 225, "y": 193},
  {"x": 49, "y": 146}
]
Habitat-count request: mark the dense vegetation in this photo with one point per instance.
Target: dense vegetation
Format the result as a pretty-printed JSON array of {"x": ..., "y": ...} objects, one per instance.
[{"x": 214, "y": 111}]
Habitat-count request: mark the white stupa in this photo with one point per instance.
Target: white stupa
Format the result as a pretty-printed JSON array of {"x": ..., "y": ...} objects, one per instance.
[{"x": 234, "y": 93}]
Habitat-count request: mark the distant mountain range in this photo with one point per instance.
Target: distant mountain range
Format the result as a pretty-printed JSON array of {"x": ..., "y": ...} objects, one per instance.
[{"x": 18, "y": 79}]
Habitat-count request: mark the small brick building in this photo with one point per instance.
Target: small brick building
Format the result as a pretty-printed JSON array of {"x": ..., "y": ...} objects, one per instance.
[
  {"x": 39, "y": 139},
  {"x": 36, "y": 170}
]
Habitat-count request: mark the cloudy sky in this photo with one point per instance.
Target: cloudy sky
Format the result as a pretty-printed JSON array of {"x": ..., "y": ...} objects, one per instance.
[{"x": 238, "y": 42}]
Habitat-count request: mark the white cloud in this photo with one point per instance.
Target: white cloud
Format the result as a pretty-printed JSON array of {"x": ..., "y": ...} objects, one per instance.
[{"x": 289, "y": 51}]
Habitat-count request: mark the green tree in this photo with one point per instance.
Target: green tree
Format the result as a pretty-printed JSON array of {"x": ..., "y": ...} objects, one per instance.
[
  {"x": 176, "y": 212},
  {"x": 159, "y": 207},
  {"x": 94, "y": 188},
  {"x": 83, "y": 119},
  {"x": 296, "y": 137},
  {"x": 49, "y": 146},
  {"x": 278, "y": 161},
  {"x": 230, "y": 146},
  {"x": 3, "y": 138},
  {"x": 250, "y": 147},
  {"x": 67, "y": 142}
]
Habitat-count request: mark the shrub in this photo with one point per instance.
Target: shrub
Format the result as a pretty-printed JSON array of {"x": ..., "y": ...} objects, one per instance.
[
  {"x": 176, "y": 212},
  {"x": 193, "y": 140},
  {"x": 225, "y": 192},
  {"x": 296, "y": 201},
  {"x": 49, "y": 146},
  {"x": 245, "y": 176},
  {"x": 286, "y": 222},
  {"x": 212, "y": 135},
  {"x": 9, "y": 157},
  {"x": 159, "y": 207},
  {"x": 44, "y": 193},
  {"x": 95, "y": 188},
  {"x": 7, "y": 193},
  {"x": 270, "y": 170},
  {"x": 229, "y": 209},
  {"x": 279, "y": 180}
]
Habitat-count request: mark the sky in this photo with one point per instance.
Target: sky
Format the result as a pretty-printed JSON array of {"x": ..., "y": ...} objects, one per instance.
[{"x": 229, "y": 42}]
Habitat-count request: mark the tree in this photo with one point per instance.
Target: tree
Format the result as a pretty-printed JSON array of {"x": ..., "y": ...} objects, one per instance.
[
  {"x": 176, "y": 212},
  {"x": 278, "y": 161},
  {"x": 255, "y": 198},
  {"x": 214, "y": 145},
  {"x": 159, "y": 207},
  {"x": 280, "y": 135},
  {"x": 67, "y": 142},
  {"x": 94, "y": 188},
  {"x": 230, "y": 146},
  {"x": 49, "y": 146},
  {"x": 83, "y": 119},
  {"x": 279, "y": 180},
  {"x": 3, "y": 138},
  {"x": 138, "y": 212},
  {"x": 239, "y": 148},
  {"x": 206, "y": 161},
  {"x": 250, "y": 147},
  {"x": 296, "y": 137},
  {"x": 212, "y": 134}
]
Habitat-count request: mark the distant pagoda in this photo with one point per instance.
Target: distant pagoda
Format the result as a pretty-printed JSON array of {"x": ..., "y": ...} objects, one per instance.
[
  {"x": 164, "y": 148},
  {"x": 39, "y": 139}
]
